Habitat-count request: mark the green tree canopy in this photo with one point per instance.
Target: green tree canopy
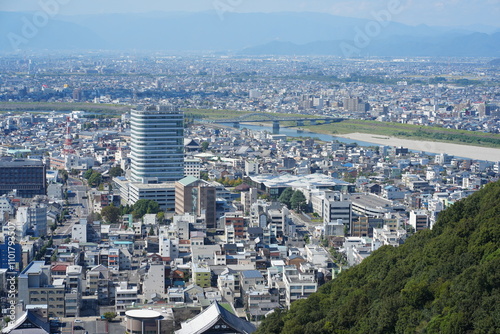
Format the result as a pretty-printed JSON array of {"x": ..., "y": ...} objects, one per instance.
[
  {"x": 143, "y": 206},
  {"x": 298, "y": 201},
  {"x": 64, "y": 175},
  {"x": 111, "y": 214},
  {"x": 95, "y": 179},
  {"x": 444, "y": 280},
  {"x": 88, "y": 173},
  {"x": 115, "y": 171},
  {"x": 109, "y": 316},
  {"x": 286, "y": 197},
  {"x": 160, "y": 217}
]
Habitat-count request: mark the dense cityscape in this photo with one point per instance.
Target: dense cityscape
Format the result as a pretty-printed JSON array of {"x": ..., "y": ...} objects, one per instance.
[{"x": 141, "y": 211}]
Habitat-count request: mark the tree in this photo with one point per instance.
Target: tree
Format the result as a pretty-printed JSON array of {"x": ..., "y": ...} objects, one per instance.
[
  {"x": 286, "y": 197},
  {"x": 298, "y": 201},
  {"x": 116, "y": 171},
  {"x": 204, "y": 146},
  {"x": 95, "y": 179},
  {"x": 53, "y": 258},
  {"x": 111, "y": 214},
  {"x": 151, "y": 231},
  {"x": 64, "y": 175},
  {"x": 143, "y": 206},
  {"x": 160, "y": 217},
  {"x": 88, "y": 173},
  {"x": 109, "y": 316},
  {"x": 94, "y": 216},
  {"x": 265, "y": 197}
]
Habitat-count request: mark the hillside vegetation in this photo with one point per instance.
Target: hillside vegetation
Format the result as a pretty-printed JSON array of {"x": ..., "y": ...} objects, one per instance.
[{"x": 445, "y": 280}]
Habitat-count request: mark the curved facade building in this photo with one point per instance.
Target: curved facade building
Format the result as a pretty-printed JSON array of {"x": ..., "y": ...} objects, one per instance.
[
  {"x": 157, "y": 134},
  {"x": 143, "y": 321}
]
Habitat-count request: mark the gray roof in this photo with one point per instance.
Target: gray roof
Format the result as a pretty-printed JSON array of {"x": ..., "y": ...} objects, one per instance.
[
  {"x": 10, "y": 162},
  {"x": 209, "y": 317},
  {"x": 28, "y": 323}
]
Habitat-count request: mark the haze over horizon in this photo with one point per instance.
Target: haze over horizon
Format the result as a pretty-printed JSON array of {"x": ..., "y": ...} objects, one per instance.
[{"x": 451, "y": 13}]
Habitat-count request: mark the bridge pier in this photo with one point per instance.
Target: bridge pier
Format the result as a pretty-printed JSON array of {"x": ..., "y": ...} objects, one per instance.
[
  {"x": 236, "y": 125},
  {"x": 328, "y": 121},
  {"x": 300, "y": 123},
  {"x": 276, "y": 127}
]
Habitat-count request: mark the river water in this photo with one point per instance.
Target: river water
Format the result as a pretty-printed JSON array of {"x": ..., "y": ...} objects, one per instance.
[
  {"x": 328, "y": 138},
  {"x": 290, "y": 132}
]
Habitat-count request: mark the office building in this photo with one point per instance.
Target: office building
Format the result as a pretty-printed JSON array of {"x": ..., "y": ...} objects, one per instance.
[
  {"x": 192, "y": 167},
  {"x": 419, "y": 220},
  {"x": 125, "y": 297},
  {"x": 198, "y": 197},
  {"x": 36, "y": 287},
  {"x": 25, "y": 176},
  {"x": 157, "y": 136}
]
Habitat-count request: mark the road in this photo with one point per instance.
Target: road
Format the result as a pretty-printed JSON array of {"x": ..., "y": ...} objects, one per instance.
[
  {"x": 88, "y": 325},
  {"x": 79, "y": 201},
  {"x": 78, "y": 209}
]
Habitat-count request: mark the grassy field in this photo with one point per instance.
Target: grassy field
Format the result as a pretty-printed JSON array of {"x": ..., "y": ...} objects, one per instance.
[
  {"x": 58, "y": 106},
  {"x": 408, "y": 131},
  {"x": 216, "y": 114}
]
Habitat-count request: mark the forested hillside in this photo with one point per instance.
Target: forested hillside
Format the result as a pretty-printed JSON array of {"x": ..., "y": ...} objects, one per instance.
[{"x": 445, "y": 280}]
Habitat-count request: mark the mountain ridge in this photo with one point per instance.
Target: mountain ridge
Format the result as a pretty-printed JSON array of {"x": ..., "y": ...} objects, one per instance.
[{"x": 235, "y": 33}]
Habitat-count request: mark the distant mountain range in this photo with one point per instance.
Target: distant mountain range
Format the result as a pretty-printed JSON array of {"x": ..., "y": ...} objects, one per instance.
[{"x": 244, "y": 33}]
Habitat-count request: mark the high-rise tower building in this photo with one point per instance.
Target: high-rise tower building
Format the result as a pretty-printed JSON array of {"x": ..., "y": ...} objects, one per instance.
[{"x": 157, "y": 134}]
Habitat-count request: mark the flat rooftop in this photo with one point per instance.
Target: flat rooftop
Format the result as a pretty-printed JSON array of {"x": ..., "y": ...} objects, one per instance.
[
  {"x": 10, "y": 162},
  {"x": 370, "y": 201},
  {"x": 35, "y": 267},
  {"x": 287, "y": 180}
]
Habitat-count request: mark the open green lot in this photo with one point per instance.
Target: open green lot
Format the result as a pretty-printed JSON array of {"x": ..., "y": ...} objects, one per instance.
[
  {"x": 408, "y": 131},
  {"x": 58, "y": 106},
  {"x": 220, "y": 114}
]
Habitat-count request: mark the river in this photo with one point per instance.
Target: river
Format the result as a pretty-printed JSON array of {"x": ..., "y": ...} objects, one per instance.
[
  {"x": 290, "y": 132},
  {"x": 428, "y": 147}
]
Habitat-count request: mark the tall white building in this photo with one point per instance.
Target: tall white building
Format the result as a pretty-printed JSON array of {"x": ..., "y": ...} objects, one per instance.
[
  {"x": 157, "y": 134},
  {"x": 192, "y": 167},
  {"x": 79, "y": 231}
]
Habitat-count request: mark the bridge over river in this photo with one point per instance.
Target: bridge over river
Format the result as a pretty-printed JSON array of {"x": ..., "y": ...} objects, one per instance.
[{"x": 262, "y": 117}]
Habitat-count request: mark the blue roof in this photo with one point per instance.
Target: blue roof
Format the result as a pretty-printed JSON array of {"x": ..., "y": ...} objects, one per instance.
[{"x": 251, "y": 274}]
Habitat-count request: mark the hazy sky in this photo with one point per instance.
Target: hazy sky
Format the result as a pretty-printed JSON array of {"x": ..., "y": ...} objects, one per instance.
[{"x": 431, "y": 12}]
